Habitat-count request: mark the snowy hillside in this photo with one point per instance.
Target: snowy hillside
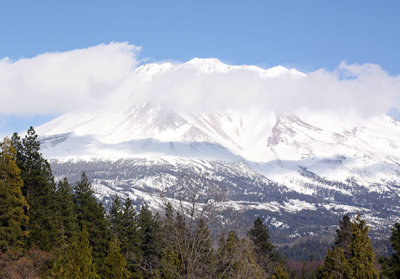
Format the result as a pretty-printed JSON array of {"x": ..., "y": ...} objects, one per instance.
[{"x": 326, "y": 160}]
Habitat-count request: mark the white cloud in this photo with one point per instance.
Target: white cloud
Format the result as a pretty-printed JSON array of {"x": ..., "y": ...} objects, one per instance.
[{"x": 60, "y": 82}]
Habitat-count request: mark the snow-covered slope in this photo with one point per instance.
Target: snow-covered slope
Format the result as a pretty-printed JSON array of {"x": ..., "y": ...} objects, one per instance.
[
  {"x": 334, "y": 146},
  {"x": 324, "y": 159}
]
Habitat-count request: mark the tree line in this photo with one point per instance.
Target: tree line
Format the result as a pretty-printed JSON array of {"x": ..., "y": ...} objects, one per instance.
[{"x": 56, "y": 230}]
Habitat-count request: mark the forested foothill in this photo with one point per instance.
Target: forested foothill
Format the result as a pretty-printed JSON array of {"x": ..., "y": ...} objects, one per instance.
[{"x": 59, "y": 230}]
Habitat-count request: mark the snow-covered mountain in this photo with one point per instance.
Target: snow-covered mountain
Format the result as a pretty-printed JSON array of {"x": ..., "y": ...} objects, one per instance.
[{"x": 287, "y": 166}]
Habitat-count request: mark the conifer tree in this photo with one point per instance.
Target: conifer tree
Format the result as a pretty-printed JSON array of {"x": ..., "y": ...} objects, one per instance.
[
  {"x": 236, "y": 259},
  {"x": 391, "y": 265},
  {"x": 358, "y": 262},
  {"x": 171, "y": 264},
  {"x": 129, "y": 237},
  {"x": 361, "y": 253},
  {"x": 39, "y": 191},
  {"x": 149, "y": 233},
  {"x": 335, "y": 265},
  {"x": 344, "y": 235},
  {"x": 116, "y": 216},
  {"x": 227, "y": 255},
  {"x": 259, "y": 235},
  {"x": 115, "y": 263},
  {"x": 91, "y": 214},
  {"x": 124, "y": 223},
  {"x": 66, "y": 210},
  {"x": 280, "y": 273},
  {"x": 13, "y": 220},
  {"x": 76, "y": 260}
]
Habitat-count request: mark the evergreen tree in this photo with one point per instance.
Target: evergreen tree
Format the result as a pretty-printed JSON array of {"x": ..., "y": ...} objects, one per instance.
[
  {"x": 116, "y": 216},
  {"x": 13, "y": 220},
  {"x": 227, "y": 257},
  {"x": 91, "y": 214},
  {"x": 129, "y": 237},
  {"x": 361, "y": 253},
  {"x": 39, "y": 191},
  {"x": 149, "y": 233},
  {"x": 280, "y": 273},
  {"x": 358, "y": 262},
  {"x": 32, "y": 164},
  {"x": 76, "y": 260},
  {"x": 115, "y": 263},
  {"x": 259, "y": 235},
  {"x": 66, "y": 210},
  {"x": 391, "y": 265},
  {"x": 335, "y": 266},
  {"x": 171, "y": 265},
  {"x": 236, "y": 259},
  {"x": 123, "y": 222},
  {"x": 344, "y": 235}
]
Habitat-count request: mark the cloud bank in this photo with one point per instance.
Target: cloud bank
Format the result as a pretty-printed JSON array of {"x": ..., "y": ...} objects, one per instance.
[{"x": 110, "y": 74}]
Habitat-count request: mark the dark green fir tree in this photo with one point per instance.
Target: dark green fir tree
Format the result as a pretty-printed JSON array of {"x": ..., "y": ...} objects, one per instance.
[
  {"x": 39, "y": 191},
  {"x": 150, "y": 238},
  {"x": 115, "y": 263},
  {"x": 91, "y": 214},
  {"x": 391, "y": 265},
  {"x": 344, "y": 235},
  {"x": 259, "y": 235},
  {"x": 66, "y": 210}
]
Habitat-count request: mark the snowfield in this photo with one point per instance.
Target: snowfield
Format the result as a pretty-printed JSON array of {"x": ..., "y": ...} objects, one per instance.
[{"x": 303, "y": 166}]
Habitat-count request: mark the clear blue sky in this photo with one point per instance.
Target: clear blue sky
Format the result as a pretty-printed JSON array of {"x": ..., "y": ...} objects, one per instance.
[{"x": 305, "y": 34}]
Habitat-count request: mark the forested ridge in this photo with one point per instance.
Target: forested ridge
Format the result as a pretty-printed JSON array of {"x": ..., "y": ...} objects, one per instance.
[{"x": 58, "y": 230}]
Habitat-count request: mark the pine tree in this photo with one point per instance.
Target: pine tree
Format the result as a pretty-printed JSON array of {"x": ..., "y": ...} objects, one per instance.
[
  {"x": 171, "y": 263},
  {"x": 361, "y": 253},
  {"x": 76, "y": 260},
  {"x": 115, "y": 263},
  {"x": 280, "y": 273},
  {"x": 91, "y": 214},
  {"x": 116, "y": 216},
  {"x": 236, "y": 259},
  {"x": 39, "y": 191},
  {"x": 358, "y": 262},
  {"x": 344, "y": 235},
  {"x": 391, "y": 265},
  {"x": 129, "y": 237},
  {"x": 13, "y": 220},
  {"x": 335, "y": 265},
  {"x": 149, "y": 232},
  {"x": 123, "y": 221},
  {"x": 66, "y": 210},
  {"x": 227, "y": 255},
  {"x": 259, "y": 235}
]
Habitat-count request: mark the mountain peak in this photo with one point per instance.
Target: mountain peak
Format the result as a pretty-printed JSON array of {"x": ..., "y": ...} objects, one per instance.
[
  {"x": 208, "y": 65},
  {"x": 213, "y": 65}
]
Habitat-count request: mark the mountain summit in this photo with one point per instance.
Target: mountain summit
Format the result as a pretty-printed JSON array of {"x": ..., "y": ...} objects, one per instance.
[{"x": 298, "y": 162}]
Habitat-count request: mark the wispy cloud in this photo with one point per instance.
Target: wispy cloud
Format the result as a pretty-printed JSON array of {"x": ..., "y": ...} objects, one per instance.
[{"x": 61, "y": 82}]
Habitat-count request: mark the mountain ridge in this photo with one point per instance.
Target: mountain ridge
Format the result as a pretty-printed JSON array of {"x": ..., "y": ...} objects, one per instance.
[{"x": 310, "y": 160}]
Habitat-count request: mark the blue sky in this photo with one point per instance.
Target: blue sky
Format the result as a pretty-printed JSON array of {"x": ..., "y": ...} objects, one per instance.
[{"x": 307, "y": 35}]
